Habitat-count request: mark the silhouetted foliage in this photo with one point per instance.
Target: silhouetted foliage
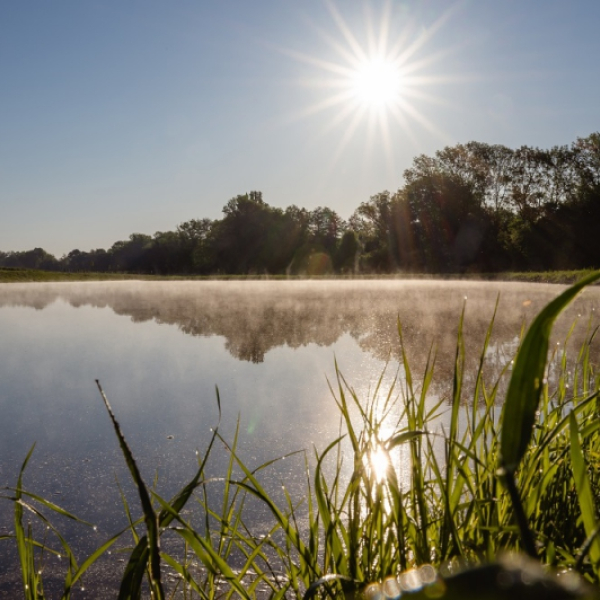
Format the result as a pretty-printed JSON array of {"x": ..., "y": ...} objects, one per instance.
[
  {"x": 471, "y": 207},
  {"x": 37, "y": 258}
]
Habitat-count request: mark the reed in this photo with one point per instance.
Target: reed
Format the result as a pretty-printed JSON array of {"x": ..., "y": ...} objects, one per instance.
[{"x": 422, "y": 510}]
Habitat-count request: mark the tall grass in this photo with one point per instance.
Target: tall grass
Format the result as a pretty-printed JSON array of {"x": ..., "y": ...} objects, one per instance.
[{"x": 421, "y": 510}]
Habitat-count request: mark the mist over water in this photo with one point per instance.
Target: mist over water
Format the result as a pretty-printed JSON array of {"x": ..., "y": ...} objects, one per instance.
[
  {"x": 160, "y": 348},
  {"x": 253, "y": 318}
]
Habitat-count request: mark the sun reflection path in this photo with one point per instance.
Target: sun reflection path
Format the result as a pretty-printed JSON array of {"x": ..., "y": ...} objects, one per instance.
[{"x": 380, "y": 463}]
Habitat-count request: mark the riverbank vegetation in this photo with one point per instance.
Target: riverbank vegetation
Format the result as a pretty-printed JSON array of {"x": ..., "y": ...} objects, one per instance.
[
  {"x": 426, "y": 512},
  {"x": 19, "y": 275},
  {"x": 471, "y": 208}
]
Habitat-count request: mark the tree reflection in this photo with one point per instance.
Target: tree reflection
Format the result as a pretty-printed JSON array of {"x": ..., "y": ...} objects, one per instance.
[{"x": 256, "y": 316}]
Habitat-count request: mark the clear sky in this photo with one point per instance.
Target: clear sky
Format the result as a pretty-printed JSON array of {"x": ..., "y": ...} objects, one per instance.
[{"x": 121, "y": 117}]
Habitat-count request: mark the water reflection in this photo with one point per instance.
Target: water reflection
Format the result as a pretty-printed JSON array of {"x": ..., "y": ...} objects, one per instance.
[
  {"x": 256, "y": 317},
  {"x": 160, "y": 348}
]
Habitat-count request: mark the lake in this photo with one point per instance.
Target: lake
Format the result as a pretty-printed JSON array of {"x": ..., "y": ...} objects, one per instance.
[{"x": 160, "y": 350}]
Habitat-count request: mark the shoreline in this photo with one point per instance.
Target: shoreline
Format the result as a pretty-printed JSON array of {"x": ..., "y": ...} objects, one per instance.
[{"x": 16, "y": 275}]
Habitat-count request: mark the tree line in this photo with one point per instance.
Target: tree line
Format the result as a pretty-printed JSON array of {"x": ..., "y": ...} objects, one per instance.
[{"x": 472, "y": 207}]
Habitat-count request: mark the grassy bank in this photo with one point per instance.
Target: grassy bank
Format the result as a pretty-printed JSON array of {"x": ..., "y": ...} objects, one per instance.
[
  {"x": 16, "y": 275},
  {"x": 515, "y": 473},
  {"x": 13, "y": 275}
]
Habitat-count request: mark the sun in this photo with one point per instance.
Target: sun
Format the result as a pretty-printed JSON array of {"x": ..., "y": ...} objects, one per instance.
[
  {"x": 377, "y": 83},
  {"x": 373, "y": 76}
]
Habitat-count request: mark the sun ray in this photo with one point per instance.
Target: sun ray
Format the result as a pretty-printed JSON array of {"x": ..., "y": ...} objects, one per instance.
[
  {"x": 346, "y": 113},
  {"x": 356, "y": 118},
  {"x": 326, "y": 65},
  {"x": 430, "y": 59},
  {"x": 429, "y": 33},
  {"x": 372, "y": 80},
  {"x": 423, "y": 96},
  {"x": 359, "y": 53},
  {"x": 325, "y": 104},
  {"x": 401, "y": 118},
  {"x": 387, "y": 140},
  {"x": 384, "y": 28},
  {"x": 427, "y": 124},
  {"x": 374, "y": 39},
  {"x": 345, "y": 140}
]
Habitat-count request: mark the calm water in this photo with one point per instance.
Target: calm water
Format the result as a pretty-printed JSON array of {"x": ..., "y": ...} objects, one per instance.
[{"x": 160, "y": 348}]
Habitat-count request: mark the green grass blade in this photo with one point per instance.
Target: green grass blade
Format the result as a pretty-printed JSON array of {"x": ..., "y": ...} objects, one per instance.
[
  {"x": 24, "y": 545},
  {"x": 150, "y": 516},
  {"x": 210, "y": 558},
  {"x": 131, "y": 583},
  {"x": 91, "y": 559},
  {"x": 526, "y": 382},
  {"x": 584, "y": 491},
  {"x": 54, "y": 507},
  {"x": 402, "y": 438},
  {"x": 184, "y": 573}
]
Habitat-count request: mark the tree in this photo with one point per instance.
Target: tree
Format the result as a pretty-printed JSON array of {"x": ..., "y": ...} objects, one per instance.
[
  {"x": 37, "y": 258},
  {"x": 131, "y": 256},
  {"x": 196, "y": 239},
  {"x": 444, "y": 219},
  {"x": 239, "y": 239},
  {"x": 372, "y": 223},
  {"x": 347, "y": 255}
]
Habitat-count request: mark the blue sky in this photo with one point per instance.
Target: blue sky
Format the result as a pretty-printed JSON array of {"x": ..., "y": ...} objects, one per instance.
[{"x": 122, "y": 117}]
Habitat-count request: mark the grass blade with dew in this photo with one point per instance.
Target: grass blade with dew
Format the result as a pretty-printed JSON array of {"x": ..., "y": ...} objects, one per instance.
[
  {"x": 204, "y": 550},
  {"x": 24, "y": 542},
  {"x": 250, "y": 483},
  {"x": 150, "y": 517},
  {"x": 584, "y": 491},
  {"x": 523, "y": 396},
  {"x": 136, "y": 566},
  {"x": 74, "y": 571},
  {"x": 526, "y": 382}
]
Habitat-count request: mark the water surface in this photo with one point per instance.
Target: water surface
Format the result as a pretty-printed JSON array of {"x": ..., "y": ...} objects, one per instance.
[{"x": 160, "y": 349}]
